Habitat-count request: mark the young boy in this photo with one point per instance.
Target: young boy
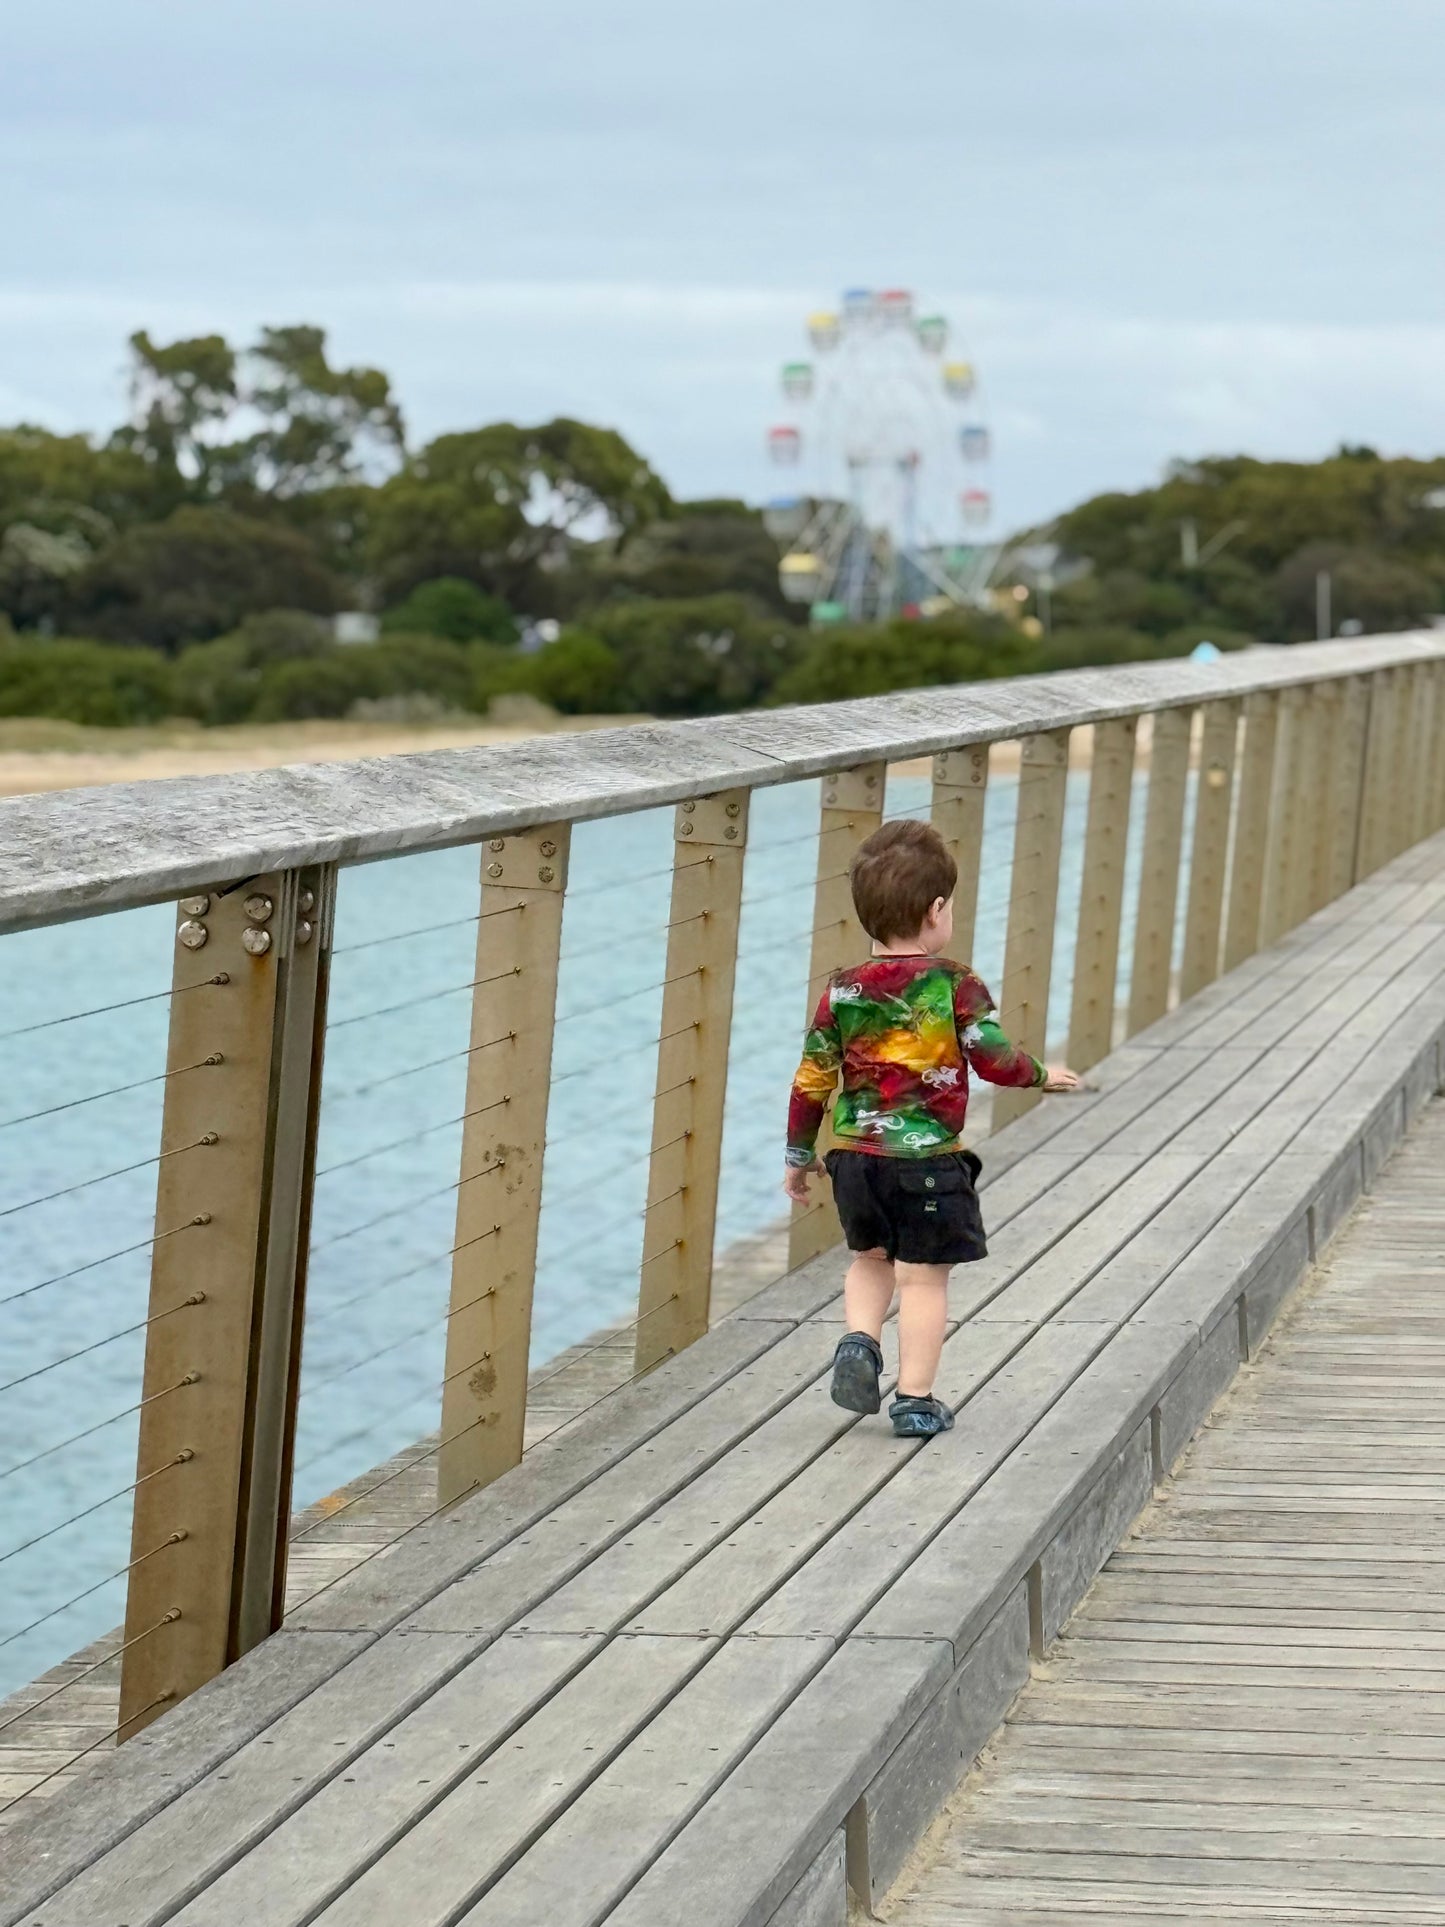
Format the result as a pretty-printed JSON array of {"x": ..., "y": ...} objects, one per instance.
[{"x": 903, "y": 1029}]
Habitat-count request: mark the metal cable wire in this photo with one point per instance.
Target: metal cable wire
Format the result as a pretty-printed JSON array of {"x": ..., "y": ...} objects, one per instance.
[
  {"x": 428, "y": 930},
  {"x": 397, "y": 1278},
  {"x": 167, "y": 1618},
  {"x": 124, "y": 1170},
  {"x": 183, "y": 1457},
  {"x": 173, "y": 1539},
  {"x": 118, "y": 1090},
  {"x": 62, "y": 1277},
  {"x": 619, "y": 1331},
  {"x": 195, "y": 1298},
  {"x": 412, "y": 1137},
  {"x": 128, "y": 1411},
  {"x": 612, "y": 884},
  {"x": 103, "y": 1010},
  {"x": 395, "y": 1211},
  {"x": 161, "y": 1699},
  {"x": 426, "y": 997}
]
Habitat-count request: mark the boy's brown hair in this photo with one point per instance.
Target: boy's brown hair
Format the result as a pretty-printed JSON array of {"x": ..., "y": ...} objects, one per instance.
[{"x": 897, "y": 875}]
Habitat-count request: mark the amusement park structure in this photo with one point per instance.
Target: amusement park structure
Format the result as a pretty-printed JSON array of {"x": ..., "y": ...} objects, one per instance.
[{"x": 886, "y": 429}]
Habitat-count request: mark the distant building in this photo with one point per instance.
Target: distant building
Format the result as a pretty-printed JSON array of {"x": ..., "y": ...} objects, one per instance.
[{"x": 355, "y": 625}]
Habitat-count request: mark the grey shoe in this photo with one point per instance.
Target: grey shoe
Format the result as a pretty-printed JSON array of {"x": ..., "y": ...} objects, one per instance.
[
  {"x": 856, "y": 1366},
  {"x": 919, "y": 1418}
]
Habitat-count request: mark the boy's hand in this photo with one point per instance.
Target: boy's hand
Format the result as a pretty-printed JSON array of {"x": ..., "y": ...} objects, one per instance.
[
  {"x": 1060, "y": 1078},
  {"x": 795, "y": 1180}
]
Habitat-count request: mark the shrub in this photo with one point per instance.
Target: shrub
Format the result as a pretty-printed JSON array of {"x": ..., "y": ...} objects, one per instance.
[
  {"x": 577, "y": 674},
  {"x": 84, "y": 682},
  {"x": 451, "y": 607},
  {"x": 695, "y": 657}
]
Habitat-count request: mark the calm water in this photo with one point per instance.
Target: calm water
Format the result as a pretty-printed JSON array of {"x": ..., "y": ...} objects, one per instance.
[{"x": 70, "y": 1284}]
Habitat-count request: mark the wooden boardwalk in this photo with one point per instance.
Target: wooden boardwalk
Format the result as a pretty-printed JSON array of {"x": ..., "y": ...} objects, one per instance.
[
  {"x": 718, "y": 1641},
  {"x": 1245, "y": 1722}
]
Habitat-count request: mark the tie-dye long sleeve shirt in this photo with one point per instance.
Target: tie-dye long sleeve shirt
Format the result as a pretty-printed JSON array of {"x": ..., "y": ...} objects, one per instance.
[{"x": 901, "y": 1033}]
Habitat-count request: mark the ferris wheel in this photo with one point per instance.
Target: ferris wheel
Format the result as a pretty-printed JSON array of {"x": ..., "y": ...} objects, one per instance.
[{"x": 886, "y": 432}]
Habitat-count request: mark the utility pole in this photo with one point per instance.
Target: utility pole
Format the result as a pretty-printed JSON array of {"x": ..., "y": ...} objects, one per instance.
[
  {"x": 1324, "y": 622},
  {"x": 1189, "y": 543}
]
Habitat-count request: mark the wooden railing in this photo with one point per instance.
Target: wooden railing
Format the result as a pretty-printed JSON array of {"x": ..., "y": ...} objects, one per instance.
[{"x": 1298, "y": 772}]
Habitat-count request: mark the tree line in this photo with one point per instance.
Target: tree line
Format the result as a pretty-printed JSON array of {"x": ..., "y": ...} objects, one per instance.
[{"x": 192, "y": 562}]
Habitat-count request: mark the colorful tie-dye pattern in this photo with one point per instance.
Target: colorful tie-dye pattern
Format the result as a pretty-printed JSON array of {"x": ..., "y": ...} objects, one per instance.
[{"x": 903, "y": 1032}]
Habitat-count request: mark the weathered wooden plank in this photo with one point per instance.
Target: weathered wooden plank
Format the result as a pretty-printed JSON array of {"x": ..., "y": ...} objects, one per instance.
[
  {"x": 1101, "y": 898},
  {"x": 1033, "y": 906}
]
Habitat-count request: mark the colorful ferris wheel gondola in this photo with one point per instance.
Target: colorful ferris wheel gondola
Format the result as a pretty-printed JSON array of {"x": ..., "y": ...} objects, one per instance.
[
  {"x": 824, "y": 328},
  {"x": 932, "y": 333},
  {"x": 974, "y": 442},
  {"x": 801, "y": 576},
  {"x": 859, "y": 304},
  {"x": 896, "y": 305},
  {"x": 786, "y": 516},
  {"x": 977, "y": 506},
  {"x": 785, "y": 446},
  {"x": 959, "y": 379},
  {"x": 797, "y": 380}
]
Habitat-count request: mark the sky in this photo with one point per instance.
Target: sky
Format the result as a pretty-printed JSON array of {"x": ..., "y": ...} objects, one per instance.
[{"x": 1162, "y": 228}]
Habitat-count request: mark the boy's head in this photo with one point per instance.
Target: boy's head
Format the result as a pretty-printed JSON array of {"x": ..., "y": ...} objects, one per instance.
[{"x": 903, "y": 881}]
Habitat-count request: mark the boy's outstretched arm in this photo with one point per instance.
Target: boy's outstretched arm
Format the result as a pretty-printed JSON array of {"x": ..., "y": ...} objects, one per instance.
[
  {"x": 991, "y": 1053},
  {"x": 814, "y": 1084}
]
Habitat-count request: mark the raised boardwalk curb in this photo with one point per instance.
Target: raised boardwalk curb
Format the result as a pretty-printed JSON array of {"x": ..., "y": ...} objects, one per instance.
[{"x": 719, "y": 1640}]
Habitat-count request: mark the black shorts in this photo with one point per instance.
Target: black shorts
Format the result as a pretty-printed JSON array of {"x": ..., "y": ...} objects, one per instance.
[{"x": 922, "y": 1211}]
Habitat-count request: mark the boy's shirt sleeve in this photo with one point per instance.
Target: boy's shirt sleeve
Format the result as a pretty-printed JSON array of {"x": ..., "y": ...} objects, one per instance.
[
  {"x": 993, "y": 1055},
  {"x": 815, "y": 1082}
]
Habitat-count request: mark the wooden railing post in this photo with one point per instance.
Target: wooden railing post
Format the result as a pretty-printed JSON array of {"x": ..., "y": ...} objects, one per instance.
[
  {"x": 692, "y": 1072},
  {"x": 1159, "y": 870},
  {"x": 960, "y": 792},
  {"x": 1346, "y": 786},
  {"x": 1317, "y": 746},
  {"x": 1101, "y": 898},
  {"x": 1214, "y": 797},
  {"x": 1250, "y": 843},
  {"x": 852, "y": 809},
  {"x": 1286, "y": 818},
  {"x": 1437, "y": 752},
  {"x": 1375, "y": 782},
  {"x": 499, "y": 1195},
  {"x": 1033, "y": 906},
  {"x": 233, "y": 1205},
  {"x": 1397, "y": 807},
  {"x": 1428, "y": 722}
]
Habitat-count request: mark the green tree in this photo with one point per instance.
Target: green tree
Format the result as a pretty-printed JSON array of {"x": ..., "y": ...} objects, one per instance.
[
  {"x": 197, "y": 574},
  {"x": 500, "y": 505},
  {"x": 577, "y": 674},
  {"x": 452, "y": 607},
  {"x": 84, "y": 682}
]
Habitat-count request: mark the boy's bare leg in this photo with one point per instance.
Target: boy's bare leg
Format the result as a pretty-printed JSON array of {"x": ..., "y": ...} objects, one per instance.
[
  {"x": 868, "y": 1293},
  {"x": 922, "y": 1322}
]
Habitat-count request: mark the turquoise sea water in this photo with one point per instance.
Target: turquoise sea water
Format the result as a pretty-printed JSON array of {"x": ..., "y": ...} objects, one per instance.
[{"x": 394, "y": 1080}]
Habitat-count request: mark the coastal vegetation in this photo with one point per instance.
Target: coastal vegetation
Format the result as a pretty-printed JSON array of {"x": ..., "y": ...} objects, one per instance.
[{"x": 195, "y": 561}]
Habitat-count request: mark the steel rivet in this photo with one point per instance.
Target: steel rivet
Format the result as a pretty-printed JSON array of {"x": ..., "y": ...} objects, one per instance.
[
  {"x": 306, "y": 902},
  {"x": 734, "y": 809},
  {"x": 195, "y": 906},
  {"x": 730, "y": 831},
  {"x": 830, "y": 796},
  {"x": 303, "y": 932},
  {"x": 497, "y": 844},
  {"x": 258, "y": 908},
  {"x": 546, "y": 873},
  {"x": 256, "y": 942},
  {"x": 494, "y": 869},
  {"x": 688, "y": 808},
  {"x": 549, "y": 848},
  {"x": 686, "y": 830},
  {"x": 192, "y": 936},
  {"x": 872, "y": 782}
]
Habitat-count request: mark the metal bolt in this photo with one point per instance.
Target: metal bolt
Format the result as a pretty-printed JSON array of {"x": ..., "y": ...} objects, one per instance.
[
  {"x": 306, "y": 902},
  {"x": 497, "y": 845},
  {"x": 192, "y": 936},
  {"x": 256, "y": 942},
  {"x": 546, "y": 873},
  {"x": 873, "y": 781},
  {"x": 303, "y": 932},
  {"x": 195, "y": 906},
  {"x": 730, "y": 831},
  {"x": 258, "y": 908},
  {"x": 688, "y": 808},
  {"x": 734, "y": 809},
  {"x": 686, "y": 830},
  {"x": 549, "y": 848},
  {"x": 830, "y": 796},
  {"x": 494, "y": 869}
]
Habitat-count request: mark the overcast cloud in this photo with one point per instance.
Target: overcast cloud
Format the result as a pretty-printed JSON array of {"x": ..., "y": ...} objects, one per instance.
[{"x": 1164, "y": 228}]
